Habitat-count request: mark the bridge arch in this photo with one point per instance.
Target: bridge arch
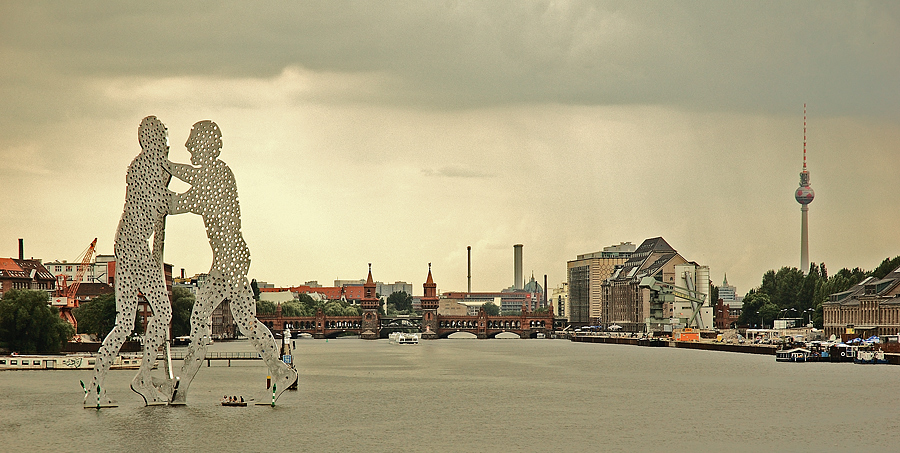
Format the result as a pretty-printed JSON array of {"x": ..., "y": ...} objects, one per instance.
[
  {"x": 504, "y": 335},
  {"x": 460, "y": 335}
]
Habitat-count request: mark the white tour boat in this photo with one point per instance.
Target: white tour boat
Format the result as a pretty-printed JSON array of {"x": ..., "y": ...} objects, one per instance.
[
  {"x": 65, "y": 362},
  {"x": 403, "y": 338}
]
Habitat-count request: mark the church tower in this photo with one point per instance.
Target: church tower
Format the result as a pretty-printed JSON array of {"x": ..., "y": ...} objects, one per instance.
[
  {"x": 430, "y": 304},
  {"x": 370, "y": 302}
]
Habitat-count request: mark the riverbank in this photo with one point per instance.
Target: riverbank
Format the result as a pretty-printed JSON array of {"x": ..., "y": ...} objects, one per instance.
[
  {"x": 764, "y": 349},
  {"x": 709, "y": 346}
]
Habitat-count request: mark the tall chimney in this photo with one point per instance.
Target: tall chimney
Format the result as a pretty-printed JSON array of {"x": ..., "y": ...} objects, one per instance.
[
  {"x": 545, "y": 290},
  {"x": 182, "y": 273},
  {"x": 21, "y": 249},
  {"x": 469, "y": 252},
  {"x": 517, "y": 263}
]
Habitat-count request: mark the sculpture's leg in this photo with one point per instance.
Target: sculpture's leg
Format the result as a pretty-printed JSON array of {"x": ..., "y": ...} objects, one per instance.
[
  {"x": 209, "y": 297},
  {"x": 243, "y": 308},
  {"x": 156, "y": 334},
  {"x": 126, "y": 303}
]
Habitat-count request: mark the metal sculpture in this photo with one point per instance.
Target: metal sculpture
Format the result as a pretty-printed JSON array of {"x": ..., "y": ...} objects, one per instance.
[
  {"x": 213, "y": 195},
  {"x": 139, "y": 272}
]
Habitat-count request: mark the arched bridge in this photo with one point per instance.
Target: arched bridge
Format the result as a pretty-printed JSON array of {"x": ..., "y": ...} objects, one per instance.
[{"x": 525, "y": 325}]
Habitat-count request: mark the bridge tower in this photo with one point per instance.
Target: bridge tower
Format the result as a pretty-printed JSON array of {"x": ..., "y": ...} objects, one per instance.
[
  {"x": 430, "y": 305},
  {"x": 370, "y": 302}
]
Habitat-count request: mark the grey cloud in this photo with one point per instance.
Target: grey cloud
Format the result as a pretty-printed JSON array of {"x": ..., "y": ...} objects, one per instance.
[{"x": 712, "y": 55}]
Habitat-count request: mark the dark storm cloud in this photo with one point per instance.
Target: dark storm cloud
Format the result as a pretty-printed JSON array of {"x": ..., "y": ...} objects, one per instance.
[{"x": 747, "y": 56}]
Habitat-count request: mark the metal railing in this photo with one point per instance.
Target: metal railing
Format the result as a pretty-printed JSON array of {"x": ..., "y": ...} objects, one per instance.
[{"x": 218, "y": 356}]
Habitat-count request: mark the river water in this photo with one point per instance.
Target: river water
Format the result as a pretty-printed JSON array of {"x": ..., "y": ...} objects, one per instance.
[{"x": 460, "y": 395}]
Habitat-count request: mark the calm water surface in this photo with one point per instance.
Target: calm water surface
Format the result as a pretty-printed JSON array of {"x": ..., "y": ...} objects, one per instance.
[{"x": 476, "y": 395}]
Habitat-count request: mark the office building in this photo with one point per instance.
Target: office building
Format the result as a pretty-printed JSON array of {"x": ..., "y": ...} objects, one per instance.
[{"x": 585, "y": 277}]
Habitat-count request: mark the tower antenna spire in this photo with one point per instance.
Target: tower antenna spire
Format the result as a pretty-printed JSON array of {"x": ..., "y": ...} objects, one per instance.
[{"x": 804, "y": 136}]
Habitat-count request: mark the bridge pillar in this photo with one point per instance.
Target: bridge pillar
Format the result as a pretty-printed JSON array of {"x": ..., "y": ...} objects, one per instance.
[
  {"x": 429, "y": 324},
  {"x": 482, "y": 324},
  {"x": 370, "y": 302},
  {"x": 430, "y": 305},
  {"x": 370, "y": 325},
  {"x": 320, "y": 325}
]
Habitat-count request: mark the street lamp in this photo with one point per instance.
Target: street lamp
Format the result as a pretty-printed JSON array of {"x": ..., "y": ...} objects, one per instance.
[
  {"x": 760, "y": 320},
  {"x": 809, "y": 312}
]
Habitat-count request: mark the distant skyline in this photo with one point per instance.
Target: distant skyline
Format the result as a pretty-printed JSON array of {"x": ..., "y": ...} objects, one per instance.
[{"x": 397, "y": 134}]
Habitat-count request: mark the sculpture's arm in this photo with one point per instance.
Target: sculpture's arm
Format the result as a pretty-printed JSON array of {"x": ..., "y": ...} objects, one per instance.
[
  {"x": 180, "y": 203},
  {"x": 183, "y": 172}
]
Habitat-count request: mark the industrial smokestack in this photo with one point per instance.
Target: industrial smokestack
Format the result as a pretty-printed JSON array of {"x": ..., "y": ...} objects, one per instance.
[
  {"x": 182, "y": 273},
  {"x": 21, "y": 249},
  {"x": 517, "y": 263},
  {"x": 545, "y": 290},
  {"x": 469, "y": 252}
]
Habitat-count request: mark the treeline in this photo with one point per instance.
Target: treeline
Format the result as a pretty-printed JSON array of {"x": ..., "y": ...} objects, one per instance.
[
  {"x": 307, "y": 306},
  {"x": 29, "y": 324},
  {"x": 789, "y": 293}
]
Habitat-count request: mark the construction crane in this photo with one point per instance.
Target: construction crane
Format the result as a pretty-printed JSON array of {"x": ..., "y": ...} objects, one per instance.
[
  {"x": 664, "y": 292},
  {"x": 64, "y": 298}
]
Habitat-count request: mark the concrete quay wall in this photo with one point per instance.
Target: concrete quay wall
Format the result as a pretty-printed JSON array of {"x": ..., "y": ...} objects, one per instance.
[
  {"x": 746, "y": 349},
  {"x": 892, "y": 358}
]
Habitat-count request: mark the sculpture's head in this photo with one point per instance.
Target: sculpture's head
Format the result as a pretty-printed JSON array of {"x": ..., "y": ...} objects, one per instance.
[
  {"x": 152, "y": 135},
  {"x": 205, "y": 142}
]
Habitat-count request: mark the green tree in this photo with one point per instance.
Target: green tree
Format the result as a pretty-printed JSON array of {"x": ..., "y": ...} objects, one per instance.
[
  {"x": 266, "y": 307},
  {"x": 491, "y": 309},
  {"x": 293, "y": 308},
  {"x": 310, "y": 305},
  {"x": 886, "y": 267},
  {"x": 713, "y": 293},
  {"x": 757, "y": 307},
  {"x": 29, "y": 324},
  {"x": 182, "y": 307},
  {"x": 255, "y": 287},
  {"x": 97, "y": 316},
  {"x": 400, "y": 301}
]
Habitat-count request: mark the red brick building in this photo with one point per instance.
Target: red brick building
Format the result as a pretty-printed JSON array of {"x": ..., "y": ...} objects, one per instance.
[
  {"x": 25, "y": 274},
  {"x": 726, "y": 317}
]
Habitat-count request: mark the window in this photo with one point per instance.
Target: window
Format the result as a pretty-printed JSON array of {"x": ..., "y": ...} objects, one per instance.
[
  {"x": 13, "y": 362},
  {"x": 3, "y": 362}
]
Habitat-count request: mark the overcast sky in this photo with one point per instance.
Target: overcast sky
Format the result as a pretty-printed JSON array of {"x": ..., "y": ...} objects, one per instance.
[{"x": 399, "y": 133}]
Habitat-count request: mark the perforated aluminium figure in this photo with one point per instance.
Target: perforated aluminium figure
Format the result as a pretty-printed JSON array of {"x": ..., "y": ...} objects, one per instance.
[
  {"x": 139, "y": 273},
  {"x": 213, "y": 195}
]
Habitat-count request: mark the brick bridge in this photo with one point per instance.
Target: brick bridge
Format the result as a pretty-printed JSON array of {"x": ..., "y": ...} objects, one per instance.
[{"x": 525, "y": 325}]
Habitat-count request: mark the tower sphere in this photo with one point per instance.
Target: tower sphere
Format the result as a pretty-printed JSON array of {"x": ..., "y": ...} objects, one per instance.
[{"x": 804, "y": 195}]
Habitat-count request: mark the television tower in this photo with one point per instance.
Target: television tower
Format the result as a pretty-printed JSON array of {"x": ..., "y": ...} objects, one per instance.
[{"x": 804, "y": 195}]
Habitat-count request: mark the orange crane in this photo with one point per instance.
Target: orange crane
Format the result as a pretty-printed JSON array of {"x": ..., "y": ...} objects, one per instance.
[{"x": 65, "y": 293}]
